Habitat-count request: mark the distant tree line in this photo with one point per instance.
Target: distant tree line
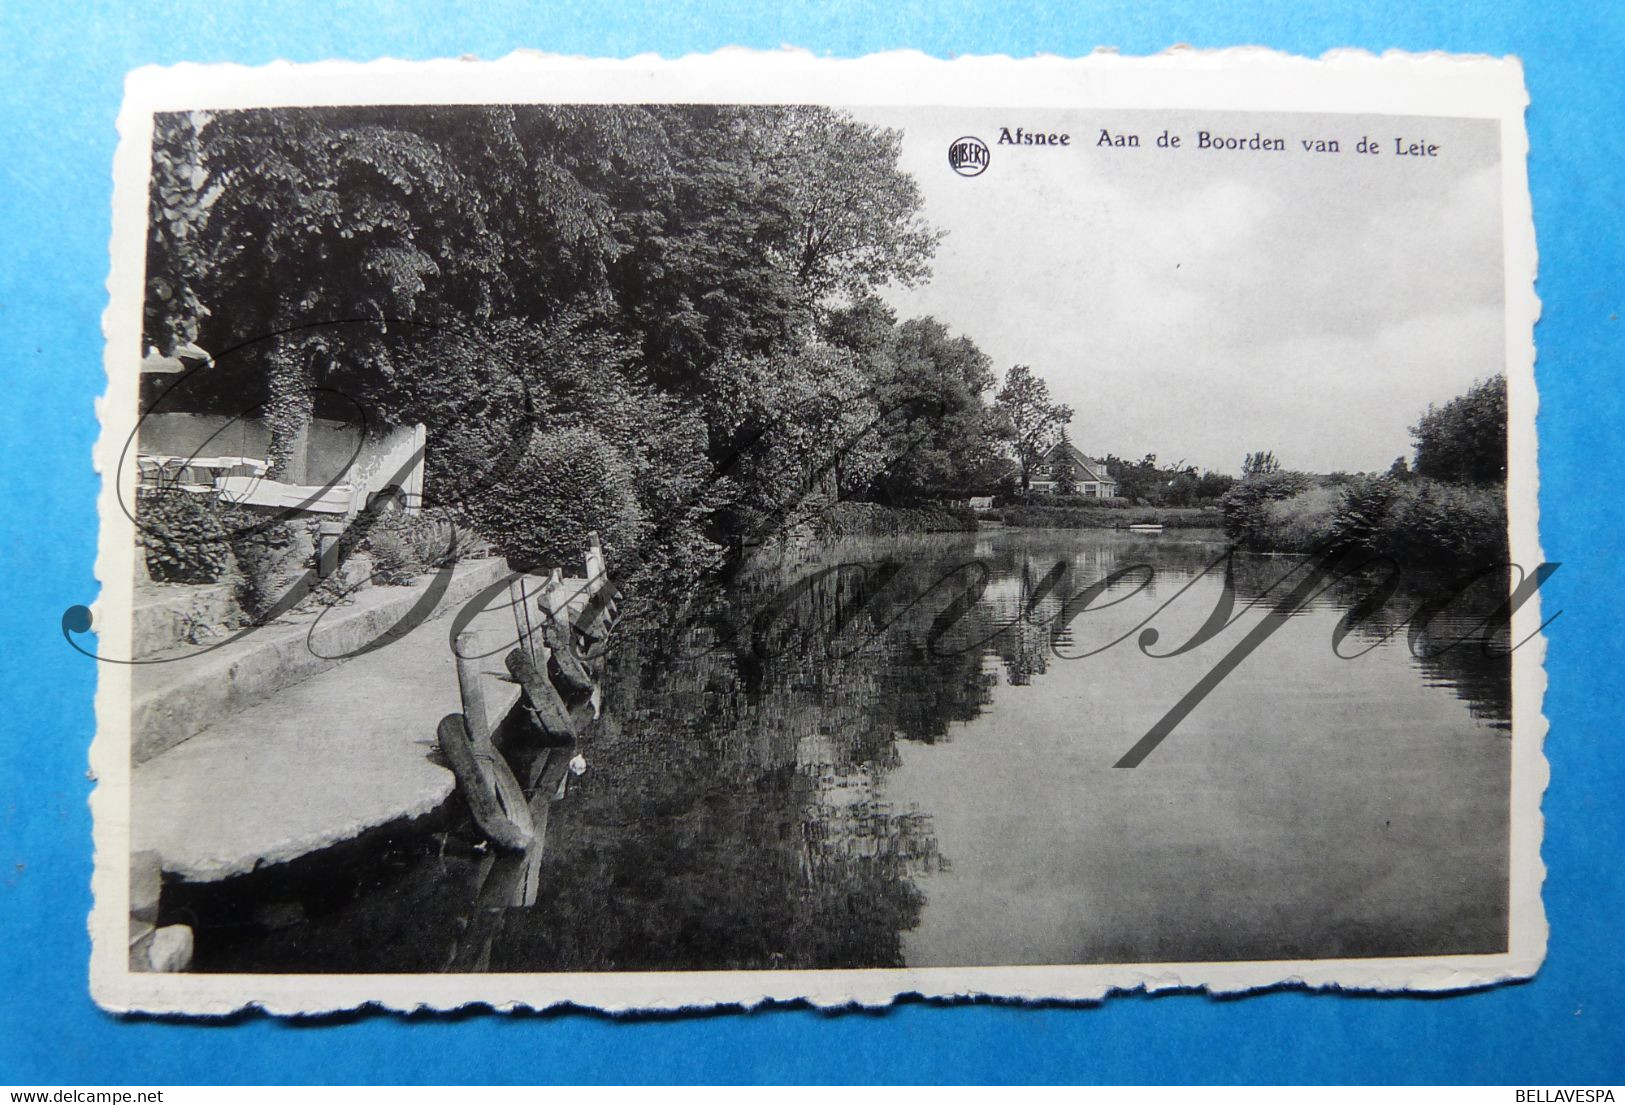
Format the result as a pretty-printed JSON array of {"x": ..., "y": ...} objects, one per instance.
[
  {"x": 1465, "y": 441},
  {"x": 1448, "y": 509},
  {"x": 1155, "y": 484}
]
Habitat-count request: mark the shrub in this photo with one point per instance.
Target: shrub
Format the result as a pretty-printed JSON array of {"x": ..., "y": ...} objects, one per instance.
[
  {"x": 1429, "y": 521},
  {"x": 874, "y": 519},
  {"x": 430, "y": 539},
  {"x": 1362, "y": 521},
  {"x": 183, "y": 534},
  {"x": 1302, "y": 523},
  {"x": 405, "y": 545},
  {"x": 1465, "y": 441},
  {"x": 1245, "y": 505},
  {"x": 570, "y": 482},
  {"x": 271, "y": 558},
  {"x": 1416, "y": 522},
  {"x": 394, "y": 563}
]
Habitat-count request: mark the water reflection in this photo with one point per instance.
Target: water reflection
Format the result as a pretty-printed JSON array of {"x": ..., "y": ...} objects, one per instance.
[{"x": 783, "y": 782}]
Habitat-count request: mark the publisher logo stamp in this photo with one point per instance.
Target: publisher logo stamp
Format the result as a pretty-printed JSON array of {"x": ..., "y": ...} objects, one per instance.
[{"x": 968, "y": 156}]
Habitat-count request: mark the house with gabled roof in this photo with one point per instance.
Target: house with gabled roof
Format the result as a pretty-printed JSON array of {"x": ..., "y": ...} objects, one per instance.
[{"x": 1090, "y": 477}]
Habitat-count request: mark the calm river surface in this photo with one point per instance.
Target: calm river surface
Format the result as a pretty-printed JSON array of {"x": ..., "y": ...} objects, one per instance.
[{"x": 883, "y": 752}]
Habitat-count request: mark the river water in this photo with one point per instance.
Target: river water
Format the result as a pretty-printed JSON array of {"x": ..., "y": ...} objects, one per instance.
[{"x": 901, "y": 752}]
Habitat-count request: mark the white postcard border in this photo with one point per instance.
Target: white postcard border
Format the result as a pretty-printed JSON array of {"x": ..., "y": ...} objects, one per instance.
[{"x": 1231, "y": 80}]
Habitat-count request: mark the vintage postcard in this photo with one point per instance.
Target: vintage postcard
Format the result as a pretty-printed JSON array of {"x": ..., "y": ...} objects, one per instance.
[{"x": 654, "y": 534}]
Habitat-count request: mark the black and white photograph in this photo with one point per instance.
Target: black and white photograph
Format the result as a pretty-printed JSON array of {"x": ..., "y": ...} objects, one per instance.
[{"x": 668, "y": 534}]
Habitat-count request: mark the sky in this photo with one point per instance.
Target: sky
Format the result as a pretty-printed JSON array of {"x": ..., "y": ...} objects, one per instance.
[{"x": 1201, "y": 304}]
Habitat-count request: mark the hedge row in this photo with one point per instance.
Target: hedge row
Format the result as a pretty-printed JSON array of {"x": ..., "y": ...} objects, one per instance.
[
  {"x": 1413, "y": 520},
  {"x": 877, "y": 520},
  {"x": 1107, "y": 517},
  {"x": 189, "y": 537}
]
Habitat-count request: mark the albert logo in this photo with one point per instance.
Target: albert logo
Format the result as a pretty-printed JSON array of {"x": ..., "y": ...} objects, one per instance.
[{"x": 968, "y": 156}]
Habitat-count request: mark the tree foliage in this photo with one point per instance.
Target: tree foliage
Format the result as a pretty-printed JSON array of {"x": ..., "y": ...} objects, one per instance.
[
  {"x": 688, "y": 287},
  {"x": 939, "y": 436},
  {"x": 1179, "y": 484},
  {"x": 854, "y": 217},
  {"x": 573, "y": 482},
  {"x": 1034, "y": 421},
  {"x": 182, "y": 194},
  {"x": 1465, "y": 441},
  {"x": 1066, "y": 480},
  {"x": 1261, "y": 463},
  {"x": 1247, "y": 505}
]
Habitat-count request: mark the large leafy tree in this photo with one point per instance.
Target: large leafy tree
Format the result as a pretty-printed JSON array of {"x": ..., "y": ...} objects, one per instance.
[
  {"x": 764, "y": 218},
  {"x": 737, "y": 250},
  {"x": 699, "y": 278},
  {"x": 855, "y": 221},
  {"x": 938, "y": 434},
  {"x": 179, "y": 202},
  {"x": 683, "y": 252},
  {"x": 804, "y": 432},
  {"x": 1066, "y": 480},
  {"x": 1140, "y": 480},
  {"x": 1465, "y": 441},
  {"x": 1034, "y": 420},
  {"x": 331, "y": 226}
]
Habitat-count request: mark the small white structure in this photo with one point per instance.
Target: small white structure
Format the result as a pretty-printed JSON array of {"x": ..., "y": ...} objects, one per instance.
[{"x": 352, "y": 467}]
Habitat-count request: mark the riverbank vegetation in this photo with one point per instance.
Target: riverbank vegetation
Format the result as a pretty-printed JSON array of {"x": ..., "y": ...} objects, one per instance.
[
  {"x": 1148, "y": 482},
  {"x": 658, "y": 323},
  {"x": 1447, "y": 509},
  {"x": 878, "y": 520},
  {"x": 1105, "y": 514}
]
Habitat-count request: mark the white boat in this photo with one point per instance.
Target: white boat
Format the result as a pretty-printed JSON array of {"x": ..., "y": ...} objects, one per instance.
[{"x": 1146, "y": 527}]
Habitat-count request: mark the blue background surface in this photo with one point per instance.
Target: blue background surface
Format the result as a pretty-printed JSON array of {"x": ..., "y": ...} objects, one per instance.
[{"x": 60, "y": 85}]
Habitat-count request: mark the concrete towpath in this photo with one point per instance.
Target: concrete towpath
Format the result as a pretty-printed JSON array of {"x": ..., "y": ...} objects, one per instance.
[{"x": 318, "y": 762}]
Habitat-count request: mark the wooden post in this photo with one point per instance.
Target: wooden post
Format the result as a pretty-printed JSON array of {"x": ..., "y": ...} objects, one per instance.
[
  {"x": 506, "y": 824},
  {"x": 545, "y": 705},
  {"x": 595, "y": 563},
  {"x": 471, "y": 950},
  {"x": 525, "y": 628},
  {"x": 471, "y": 689},
  {"x": 146, "y": 885},
  {"x": 327, "y": 547},
  {"x": 494, "y": 795},
  {"x": 412, "y": 486},
  {"x": 564, "y": 665},
  {"x": 566, "y": 670},
  {"x": 516, "y": 607},
  {"x": 553, "y": 596}
]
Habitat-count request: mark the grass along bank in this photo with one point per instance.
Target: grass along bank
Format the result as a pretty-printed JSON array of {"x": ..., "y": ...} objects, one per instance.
[
  {"x": 879, "y": 520},
  {"x": 1110, "y": 514},
  {"x": 1449, "y": 510},
  {"x": 1415, "y": 520}
]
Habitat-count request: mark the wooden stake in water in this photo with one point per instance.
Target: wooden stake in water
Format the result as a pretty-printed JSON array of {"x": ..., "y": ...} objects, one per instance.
[{"x": 487, "y": 782}]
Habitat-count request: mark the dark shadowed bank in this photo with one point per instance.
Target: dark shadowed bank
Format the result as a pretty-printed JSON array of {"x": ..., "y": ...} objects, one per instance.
[
  {"x": 1071, "y": 513},
  {"x": 878, "y": 520}
]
